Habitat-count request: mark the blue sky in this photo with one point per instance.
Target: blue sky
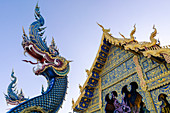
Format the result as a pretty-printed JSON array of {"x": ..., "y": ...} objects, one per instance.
[{"x": 72, "y": 23}]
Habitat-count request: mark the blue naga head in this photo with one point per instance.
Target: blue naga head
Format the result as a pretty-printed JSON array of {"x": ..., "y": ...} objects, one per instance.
[{"x": 49, "y": 63}]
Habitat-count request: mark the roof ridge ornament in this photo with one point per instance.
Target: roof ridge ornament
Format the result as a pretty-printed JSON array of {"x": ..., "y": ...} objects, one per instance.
[
  {"x": 104, "y": 30},
  {"x": 122, "y": 35},
  {"x": 153, "y": 34},
  {"x": 132, "y": 38},
  {"x": 132, "y": 33}
]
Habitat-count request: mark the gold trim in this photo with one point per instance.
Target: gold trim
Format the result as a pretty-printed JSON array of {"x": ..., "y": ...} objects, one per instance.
[
  {"x": 158, "y": 85},
  {"x": 158, "y": 77},
  {"x": 158, "y": 51},
  {"x": 97, "y": 55},
  {"x": 78, "y": 100}
]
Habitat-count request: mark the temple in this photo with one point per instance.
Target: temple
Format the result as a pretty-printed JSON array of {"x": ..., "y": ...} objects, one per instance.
[{"x": 127, "y": 76}]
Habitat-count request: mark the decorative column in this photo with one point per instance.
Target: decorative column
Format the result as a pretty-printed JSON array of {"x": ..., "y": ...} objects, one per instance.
[
  {"x": 149, "y": 100},
  {"x": 140, "y": 74},
  {"x": 100, "y": 94}
]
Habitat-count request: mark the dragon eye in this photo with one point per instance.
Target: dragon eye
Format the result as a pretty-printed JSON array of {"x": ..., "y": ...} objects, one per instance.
[{"x": 57, "y": 62}]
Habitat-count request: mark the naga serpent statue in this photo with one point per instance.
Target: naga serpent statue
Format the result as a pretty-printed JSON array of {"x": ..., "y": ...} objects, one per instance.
[{"x": 50, "y": 64}]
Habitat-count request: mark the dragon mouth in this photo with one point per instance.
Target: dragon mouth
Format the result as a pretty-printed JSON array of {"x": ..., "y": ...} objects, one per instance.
[
  {"x": 40, "y": 67},
  {"x": 43, "y": 59}
]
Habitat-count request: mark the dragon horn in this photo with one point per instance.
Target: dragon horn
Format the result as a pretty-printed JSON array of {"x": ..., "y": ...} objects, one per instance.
[
  {"x": 69, "y": 61},
  {"x": 23, "y": 30}
]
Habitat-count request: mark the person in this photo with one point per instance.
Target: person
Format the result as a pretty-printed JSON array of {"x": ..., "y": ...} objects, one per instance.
[
  {"x": 125, "y": 100},
  {"x": 109, "y": 108},
  {"x": 135, "y": 98},
  {"x": 165, "y": 107},
  {"x": 117, "y": 105},
  {"x": 126, "y": 92}
]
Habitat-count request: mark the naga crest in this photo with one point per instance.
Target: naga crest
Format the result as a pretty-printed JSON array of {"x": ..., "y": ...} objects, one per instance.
[{"x": 12, "y": 96}]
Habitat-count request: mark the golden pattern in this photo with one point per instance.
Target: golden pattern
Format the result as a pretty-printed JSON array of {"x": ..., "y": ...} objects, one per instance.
[{"x": 140, "y": 74}]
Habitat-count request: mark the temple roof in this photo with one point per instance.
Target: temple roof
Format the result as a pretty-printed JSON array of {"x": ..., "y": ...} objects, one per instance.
[{"x": 150, "y": 49}]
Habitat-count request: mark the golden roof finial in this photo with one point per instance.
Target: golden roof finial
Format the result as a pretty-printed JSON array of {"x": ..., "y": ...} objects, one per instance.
[
  {"x": 152, "y": 39},
  {"x": 153, "y": 34},
  {"x": 100, "y": 25},
  {"x": 104, "y": 30},
  {"x": 133, "y": 32},
  {"x": 122, "y": 35}
]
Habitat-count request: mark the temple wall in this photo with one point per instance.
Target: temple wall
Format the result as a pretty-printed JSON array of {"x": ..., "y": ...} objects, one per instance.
[{"x": 123, "y": 67}]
